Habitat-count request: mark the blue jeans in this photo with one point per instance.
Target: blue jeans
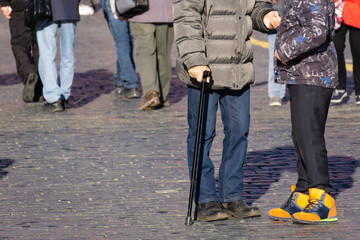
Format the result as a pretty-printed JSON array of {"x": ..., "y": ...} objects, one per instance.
[
  {"x": 125, "y": 68},
  {"x": 274, "y": 89},
  {"x": 235, "y": 114},
  {"x": 46, "y": 36}
]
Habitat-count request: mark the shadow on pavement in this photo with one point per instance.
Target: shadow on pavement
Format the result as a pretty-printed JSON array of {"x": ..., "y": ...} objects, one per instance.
[
  {"x": 263, "y": 168},
  {"x": 5, "y": 163},
  {"x": 90, "y": 85},
  {"x": 9, "y": 79}
]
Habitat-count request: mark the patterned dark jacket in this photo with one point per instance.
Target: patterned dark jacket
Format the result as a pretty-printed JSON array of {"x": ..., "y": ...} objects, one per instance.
[{"x": 304, "y": 42}]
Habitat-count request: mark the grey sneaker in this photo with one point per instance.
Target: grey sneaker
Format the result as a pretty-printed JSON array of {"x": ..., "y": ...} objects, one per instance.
[
  {"x": 210, "y": 211},
  {"x": 57, "y": 106},
  {"x": 239, "y": 209},
  {"x": 119, "y": 90},
  {"x": 275, "y": 102},
  {"x": 132, "y": 93}
]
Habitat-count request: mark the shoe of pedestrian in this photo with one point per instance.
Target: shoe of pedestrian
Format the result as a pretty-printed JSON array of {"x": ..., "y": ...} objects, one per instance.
[
  {"x": 338, "y": 96},
  {"x": 151, "y": 101},
  {"x": 275, "y": 102},
  {"x": 295, "y": 203},
  {"x": 57, "y": 106},
  {"x": 86, "y": 10},
  {"x": 320, "y": 210},
  {"x": 239, "y": 209},
  {"x": 132, "y": 93},
  {"x": 29, "y": 88},
  {"x": 210, "y": 211},
  {"x": 166, "y": 103},
  {"x": 119, "y": 90},
  {"x": 357, "y": 100}
]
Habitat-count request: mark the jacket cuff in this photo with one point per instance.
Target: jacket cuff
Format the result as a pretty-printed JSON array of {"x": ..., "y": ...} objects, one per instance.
[{"x": 195, "y": 59}]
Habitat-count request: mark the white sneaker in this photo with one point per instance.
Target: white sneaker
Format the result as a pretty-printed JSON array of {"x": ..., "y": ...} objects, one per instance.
[
  {"x": 85, "y": 10},
  {"x": 275, "y": 102}
]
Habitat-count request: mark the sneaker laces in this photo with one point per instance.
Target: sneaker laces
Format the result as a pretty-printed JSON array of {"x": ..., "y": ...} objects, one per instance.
[{"x": 311, "y": 204}]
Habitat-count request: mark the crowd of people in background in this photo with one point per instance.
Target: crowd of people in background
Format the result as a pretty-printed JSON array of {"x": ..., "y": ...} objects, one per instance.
[{"x": 152, "y": 60}]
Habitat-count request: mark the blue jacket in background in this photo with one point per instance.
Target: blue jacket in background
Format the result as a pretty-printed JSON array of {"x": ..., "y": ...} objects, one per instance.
[{"x": 65, "y": 10}]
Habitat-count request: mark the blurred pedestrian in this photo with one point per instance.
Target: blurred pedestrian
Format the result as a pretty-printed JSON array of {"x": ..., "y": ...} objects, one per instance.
[
  {"x": 350, "y": 24},
  {"x": 306, "y": 62},
  {"x": 276, "y": 91},
  {"x": 153, "y": 37},
  {"x": 65, "y": 14},
  {"x": 213, "y": 35},
  {"x": 125, "y": 79},
  {"x": 24, "y": 47}
]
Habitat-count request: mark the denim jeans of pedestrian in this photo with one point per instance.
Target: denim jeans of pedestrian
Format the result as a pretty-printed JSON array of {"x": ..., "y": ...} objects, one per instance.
[
  {"x": 274, "y": 89},
  {"x": 46, "y": 35},
  {"x": 235, "y": 114},
  {"x": 125, "y": 75}
]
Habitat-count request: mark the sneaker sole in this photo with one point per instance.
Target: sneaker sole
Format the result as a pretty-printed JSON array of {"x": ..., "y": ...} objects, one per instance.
[
  {"x": 324, "y": 221},
  {"x": 279, "y": 219},
  {"x": 339, "y": 100},
  {"x": 28, "y": 93},
  {"x": 275, "y": 105},
  {"x": 222, "y": 216},
  {"x": 249, "y": 215}
]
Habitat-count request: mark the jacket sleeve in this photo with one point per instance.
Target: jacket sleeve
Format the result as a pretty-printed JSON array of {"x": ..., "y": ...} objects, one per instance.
[
  {"x": 311, "y": 32},
  {"x": 188, "y": 29},
  {"x": 261, "y": 8}
]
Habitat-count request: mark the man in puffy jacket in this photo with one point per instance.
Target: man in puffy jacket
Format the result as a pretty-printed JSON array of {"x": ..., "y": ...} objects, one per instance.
[
  {"x": 213, "y": 35},
  {"x": 24, "y": 47}
]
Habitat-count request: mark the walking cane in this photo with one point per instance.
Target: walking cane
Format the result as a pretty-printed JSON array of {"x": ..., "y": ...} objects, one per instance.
[{"x": 188, "y": 220}]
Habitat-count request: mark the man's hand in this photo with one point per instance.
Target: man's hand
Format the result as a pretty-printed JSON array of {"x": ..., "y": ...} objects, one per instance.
[
  {"x": 272, "y": 20},
  {"x": 6, "y": 11},
  {"x": 198, "y": 73},
  {"x": 278, "y": 57}
]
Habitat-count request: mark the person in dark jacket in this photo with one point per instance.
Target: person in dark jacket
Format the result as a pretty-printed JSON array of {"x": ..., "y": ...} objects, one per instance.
[
  {"x": 24, "y": 47},
  {"x": 65, "y": 14},
  {"x": 213, "y": 36},
  {"x": 306, "y": 61}
]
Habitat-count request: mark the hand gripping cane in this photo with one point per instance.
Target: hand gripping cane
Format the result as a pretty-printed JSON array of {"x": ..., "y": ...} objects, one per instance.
[{"x": 188, "y": 220}]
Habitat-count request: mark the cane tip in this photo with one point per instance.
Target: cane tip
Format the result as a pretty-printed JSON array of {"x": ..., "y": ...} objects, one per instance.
[{"x": 188, "y": 221}]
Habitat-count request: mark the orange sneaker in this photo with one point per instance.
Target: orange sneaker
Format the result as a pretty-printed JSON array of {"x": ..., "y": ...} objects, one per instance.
[
  {"x": 295, "y": 203},
  {"x": 320, "y": 210}
]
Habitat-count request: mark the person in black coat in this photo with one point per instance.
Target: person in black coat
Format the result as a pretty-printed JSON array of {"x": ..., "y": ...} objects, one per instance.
[
  {"x": 24, "y": 47},
  {"x": 65, "y": 14}
]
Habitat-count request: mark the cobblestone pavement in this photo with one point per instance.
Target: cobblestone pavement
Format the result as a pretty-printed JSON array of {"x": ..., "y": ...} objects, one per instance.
[{"x": 105, "y": 170}]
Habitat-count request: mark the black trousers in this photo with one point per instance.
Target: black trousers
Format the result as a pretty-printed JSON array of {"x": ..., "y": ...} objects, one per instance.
[
  {"x": 24, "y": 45},
  {"x": 339, "y": 41},
  {"x": 309, "y": 109}
]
